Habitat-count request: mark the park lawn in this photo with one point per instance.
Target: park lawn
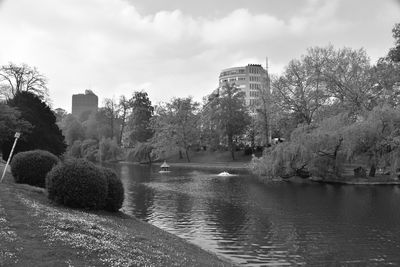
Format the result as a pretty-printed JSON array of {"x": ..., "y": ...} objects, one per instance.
[{"x": 35, "y": 232}]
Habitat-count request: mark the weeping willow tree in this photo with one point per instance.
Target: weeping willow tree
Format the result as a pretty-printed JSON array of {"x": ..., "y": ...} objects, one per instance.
[
  {"x": 142, "y": 152},
  {"x": 376, "y": 138},
  {"x": 371, "y": 140},
  {"x": 286, "y": 159},
  {"x": 313, "y": 150}
]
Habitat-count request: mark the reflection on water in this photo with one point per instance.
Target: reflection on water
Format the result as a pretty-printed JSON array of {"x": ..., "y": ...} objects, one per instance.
[{"x": 276, "y": 224}]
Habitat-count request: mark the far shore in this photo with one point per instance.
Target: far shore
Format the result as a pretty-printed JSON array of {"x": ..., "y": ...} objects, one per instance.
[
  {"x": 244, "y": 166},
  {"x": 223, "y": 166}
]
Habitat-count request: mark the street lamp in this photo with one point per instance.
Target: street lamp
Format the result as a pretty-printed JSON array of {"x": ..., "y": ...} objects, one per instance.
[{"x": 16, "y": 136}]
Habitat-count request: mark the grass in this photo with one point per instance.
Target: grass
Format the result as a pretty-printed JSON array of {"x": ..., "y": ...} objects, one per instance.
[{"x": 35, "y": 232}]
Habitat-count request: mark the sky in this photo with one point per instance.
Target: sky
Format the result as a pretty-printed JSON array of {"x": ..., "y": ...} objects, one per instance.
[{"x": 177, "y": 48}]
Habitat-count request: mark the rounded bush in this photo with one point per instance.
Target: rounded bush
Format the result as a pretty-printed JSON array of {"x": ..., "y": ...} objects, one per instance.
[
  {"x": 77, "y": 183},
  {"x": 115, "y": 196},
  {"x": 31, "y": 167}
]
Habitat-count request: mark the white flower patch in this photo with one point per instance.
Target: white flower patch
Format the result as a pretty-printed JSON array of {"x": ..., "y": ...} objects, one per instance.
[
  {"x": 85, "y": 232},
  {"x": 7, "y": 239}
]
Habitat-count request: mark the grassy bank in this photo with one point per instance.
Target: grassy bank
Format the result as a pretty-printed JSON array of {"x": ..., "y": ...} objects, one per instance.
[{"x": 35, "y": 232}]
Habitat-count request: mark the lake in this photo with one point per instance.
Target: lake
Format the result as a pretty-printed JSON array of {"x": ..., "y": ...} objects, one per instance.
[{"x": 257, "y": 224}]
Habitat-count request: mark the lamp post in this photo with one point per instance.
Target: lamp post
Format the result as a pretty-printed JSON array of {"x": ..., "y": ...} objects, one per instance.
[{"x": 16, "y": 136}]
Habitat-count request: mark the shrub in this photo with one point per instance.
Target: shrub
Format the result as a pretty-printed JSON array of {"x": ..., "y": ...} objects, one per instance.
[
  {"x": 75, "y": 149},
  {"x": 110, "y": 150},
  {"x": 115, "y": 196},
  {"x": 141, "y": 152},
  {"x": 248, "y": 151},
  {"x": 77, "y": 183},
  {"x": 31, "y": 167},
  {"x": 87, "y": 149}
]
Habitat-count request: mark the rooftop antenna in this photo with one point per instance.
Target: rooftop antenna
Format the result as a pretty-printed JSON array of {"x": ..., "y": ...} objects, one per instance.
[{"x": 269, "y": 130}]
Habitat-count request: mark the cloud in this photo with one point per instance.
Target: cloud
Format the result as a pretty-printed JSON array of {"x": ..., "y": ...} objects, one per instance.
[{"x": 110, "y": 47}]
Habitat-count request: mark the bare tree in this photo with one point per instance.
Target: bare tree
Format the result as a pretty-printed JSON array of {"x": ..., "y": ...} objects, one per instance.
[
  {"x": 124, "y": 105},
  {"x": 394, "y": 53},
  {"x": 18, "y": 78},
  {"x": 348, "y": 78},
  {"x": 111, "y": 113},
  {"x": 301, "y": 89}
]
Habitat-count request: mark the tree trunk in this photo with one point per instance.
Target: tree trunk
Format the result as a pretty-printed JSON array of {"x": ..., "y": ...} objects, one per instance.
[
  {"x": 149, "y": 157},
  {"x": 372, "y": 170},
  {"x": 180, "y": 154},
  {"x": 112, "y": 128},
  {"x": 187, "y": 155},
  {"x": 231, "y": 146},
  {"x": 121, "y": 133},
  {"x": 373, "y": 162}
]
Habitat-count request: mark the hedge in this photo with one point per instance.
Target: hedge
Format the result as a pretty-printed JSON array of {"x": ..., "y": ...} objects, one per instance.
[
  {"x": 31, "y": 167},
  {"x": 78, "y": 183},
  {"x": 115, "y": 196}
]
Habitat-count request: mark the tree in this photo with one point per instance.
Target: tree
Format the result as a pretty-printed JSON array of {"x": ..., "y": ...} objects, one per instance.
[
  {"x": 73, "y": 130},
  {"x": 11, "y": 122},
  {"x": 124, "y": 107},
  {"x": 347, "y": 75},
  {"x": 22, "y": 78},
  {"x": 139, "y": 120},
  {"x": 326, "y": 82},
  {"x": 300, "y": 89},
  {"x": 315, "y": 149},
  {"x": 385, "y": 77},
  {"x": 229, "y": 114},
  {"x": 45, "y": 133},
  {"x": 386, "y": 74},
  {"x": 109, "y": 149},
  {"x": 110, "y": 111},
  {"x": 376, "y": 135},
  {"x": 141, "y": 152},
  {"x": 175, "y": 127},
  {"x": 61, "y": 114},
  {"x": 394, "y": 53}
]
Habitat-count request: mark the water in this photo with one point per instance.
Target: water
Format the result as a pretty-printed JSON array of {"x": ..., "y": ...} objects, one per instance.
[{"x": 276, "y": 224}]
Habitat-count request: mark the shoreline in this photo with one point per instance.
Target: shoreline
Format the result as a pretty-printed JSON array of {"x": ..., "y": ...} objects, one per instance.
[
  {"x": 350, "y": 181},
  {"x": 355, "y": 181},
  {"x": 39, "y": 232}
]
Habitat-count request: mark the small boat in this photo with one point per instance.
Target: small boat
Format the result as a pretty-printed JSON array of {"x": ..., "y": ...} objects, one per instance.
[
  {"x": 164, "y": 168},
  {"x": 224, "y": 174}
]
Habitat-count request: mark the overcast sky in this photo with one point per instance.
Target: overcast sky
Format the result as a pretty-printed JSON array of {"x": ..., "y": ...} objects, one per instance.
[{"x": 176, "y": 48}]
